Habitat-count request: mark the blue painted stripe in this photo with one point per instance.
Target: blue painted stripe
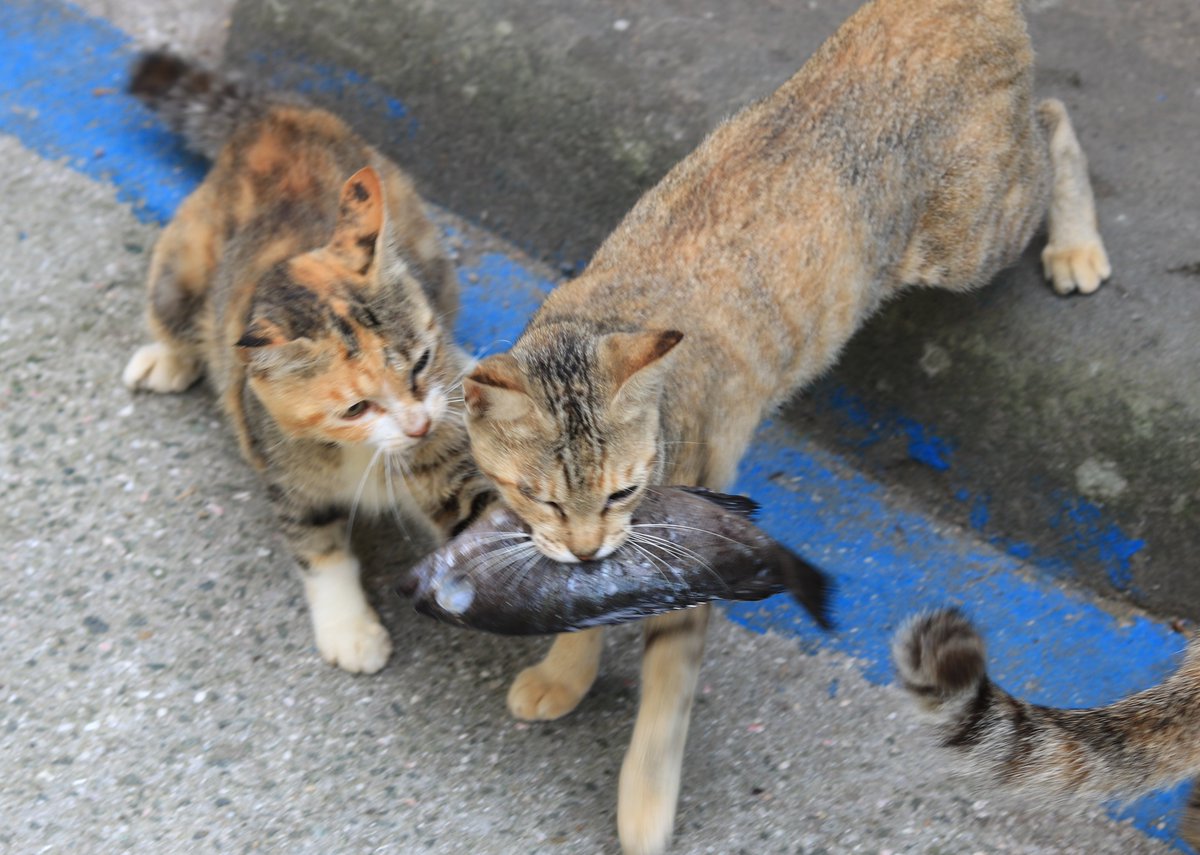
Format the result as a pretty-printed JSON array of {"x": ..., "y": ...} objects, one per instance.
[{"x": 60, "y": 76}]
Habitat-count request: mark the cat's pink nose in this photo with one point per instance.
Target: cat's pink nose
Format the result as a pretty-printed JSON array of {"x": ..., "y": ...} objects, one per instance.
[
  {"x": 417, "y": 430},
  {"x": 585, "y": 554}
]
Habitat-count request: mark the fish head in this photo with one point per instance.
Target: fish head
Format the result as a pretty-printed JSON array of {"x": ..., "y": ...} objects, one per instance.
[{"x": 567, "y": 426}]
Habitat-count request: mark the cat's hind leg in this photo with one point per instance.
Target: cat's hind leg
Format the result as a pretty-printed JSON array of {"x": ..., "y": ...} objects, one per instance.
[
  {"x": 1074, "y": 258},
  {"x": 556, "y": 685},
  {"x": 180, "y": 276}
]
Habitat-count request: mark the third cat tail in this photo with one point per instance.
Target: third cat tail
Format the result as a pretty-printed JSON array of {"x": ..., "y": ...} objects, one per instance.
[
  {"x": 1143, "y": 741},
  {"x": 202, "y": 105}
]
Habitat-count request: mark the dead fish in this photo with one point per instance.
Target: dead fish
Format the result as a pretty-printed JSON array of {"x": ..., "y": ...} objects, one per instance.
[{"x": 691, "y": 546}]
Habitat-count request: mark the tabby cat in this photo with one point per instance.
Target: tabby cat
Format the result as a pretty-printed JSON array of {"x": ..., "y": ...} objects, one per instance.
[
  {"x": 1143, "y": 742},
  {"x": 907, "y": 151},
  {"x": 304, "y": 279}
]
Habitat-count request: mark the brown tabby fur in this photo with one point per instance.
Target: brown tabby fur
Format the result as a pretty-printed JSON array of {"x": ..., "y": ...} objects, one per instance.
[
  {"x": 1146, "y": 741},
  {"x": 305, "y": 280},
  {"x": 907, "y": 151}
]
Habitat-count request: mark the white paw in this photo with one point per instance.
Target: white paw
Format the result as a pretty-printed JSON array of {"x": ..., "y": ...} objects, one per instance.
[
  {"x": 160, "y": 369},
  {"x": 359, "y": 645},
  {"x": 1080, "y": 267}
]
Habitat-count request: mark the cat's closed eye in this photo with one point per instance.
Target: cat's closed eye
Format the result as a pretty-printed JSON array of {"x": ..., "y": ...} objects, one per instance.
[{"x": 528, "y": 493}]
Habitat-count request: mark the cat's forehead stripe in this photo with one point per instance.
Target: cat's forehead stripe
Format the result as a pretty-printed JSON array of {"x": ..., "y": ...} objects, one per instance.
[{"x": 572, "y": 402}]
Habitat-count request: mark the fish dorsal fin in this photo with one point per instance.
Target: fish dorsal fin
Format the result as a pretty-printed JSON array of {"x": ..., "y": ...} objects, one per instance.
[{"x": 741, "y": 505}]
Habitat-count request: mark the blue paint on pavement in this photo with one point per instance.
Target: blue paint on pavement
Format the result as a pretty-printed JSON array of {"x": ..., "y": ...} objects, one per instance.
[{"x": 61, "y": 73}]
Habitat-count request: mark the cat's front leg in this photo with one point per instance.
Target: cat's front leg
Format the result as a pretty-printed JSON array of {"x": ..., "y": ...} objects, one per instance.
[
  {"x": 1074, "y": 258},
  {"x": 556, "y": 685},
  {"x": 347, "y": 630}
]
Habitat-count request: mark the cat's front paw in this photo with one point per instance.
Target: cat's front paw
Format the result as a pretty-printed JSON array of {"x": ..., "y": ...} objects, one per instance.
[
  {"x": 543, "y": 693},
  {"x": 1078, "y": 267},
  {"x": 160, "y": 368},
  {"x": 358, "y": 644}
]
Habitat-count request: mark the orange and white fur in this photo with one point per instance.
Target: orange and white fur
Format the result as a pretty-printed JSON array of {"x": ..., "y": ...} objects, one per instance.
[
  {"x": 907, "y": 152},
  {"x": 305, "y": 280}
]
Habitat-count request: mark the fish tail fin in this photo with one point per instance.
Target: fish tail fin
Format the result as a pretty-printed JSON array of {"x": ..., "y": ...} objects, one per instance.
[{"x": 811, "y": 588}]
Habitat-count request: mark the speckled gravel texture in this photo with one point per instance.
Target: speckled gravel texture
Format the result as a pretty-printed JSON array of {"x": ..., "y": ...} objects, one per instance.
[{"x": 160, "y": 691}]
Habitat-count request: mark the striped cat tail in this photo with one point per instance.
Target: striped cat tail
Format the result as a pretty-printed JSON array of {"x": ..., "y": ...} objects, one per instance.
[
  {"x": 1144, "y": 741},
  {"x": 202, "y": 105}
]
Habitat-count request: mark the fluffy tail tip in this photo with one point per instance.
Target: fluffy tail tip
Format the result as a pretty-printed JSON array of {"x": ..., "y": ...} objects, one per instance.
[
  {"x": 155, "y": 73},
  {"x": 939, "y": 656}
]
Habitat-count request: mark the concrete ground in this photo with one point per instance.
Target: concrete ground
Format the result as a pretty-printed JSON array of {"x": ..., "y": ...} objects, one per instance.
[{"x": 160, "y": 689}]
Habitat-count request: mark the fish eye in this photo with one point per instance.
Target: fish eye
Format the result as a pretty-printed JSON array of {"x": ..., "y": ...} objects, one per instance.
[
  {"x": 620, "y": 496},
  {"x": 356, "y": 410},
  {"x": 421, "y": 363}
]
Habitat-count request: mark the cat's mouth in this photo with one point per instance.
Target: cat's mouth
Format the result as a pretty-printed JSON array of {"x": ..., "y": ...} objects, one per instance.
[
  {"x": 563, "y": 555},
  {"x": 554, "y": 551}
]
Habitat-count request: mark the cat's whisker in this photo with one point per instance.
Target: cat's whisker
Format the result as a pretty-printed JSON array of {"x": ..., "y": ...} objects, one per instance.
[
  {"x": 673, "y": 548},
  {"x": 485, "y": 536},
  {"x": 496, "y": 555},
  {"x": 362, "y": 483},
  {"x": 663, "y": 546},
  {"x": 654, "y": 560},
  {"x": 685, "y": 528},
  {"x": 508, "y": 557},
  {"x": 393, "y": 499},
  {"x": 505, "y": 571},
  {"x": 486, "y": 349},
  {"x": 676, "y": 550}
]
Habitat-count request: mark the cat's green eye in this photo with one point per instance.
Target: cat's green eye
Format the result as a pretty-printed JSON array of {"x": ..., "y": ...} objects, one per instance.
[
  {"x": 357, "y": 410},
  {"x": 620, "y": 496}
]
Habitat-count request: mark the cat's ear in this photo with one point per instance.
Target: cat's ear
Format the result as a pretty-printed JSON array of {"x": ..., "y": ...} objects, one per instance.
[
  {"x": 497, "y": 390},
  {"x": 634, "y": 361},
  {"x": 359, "y": 222}
]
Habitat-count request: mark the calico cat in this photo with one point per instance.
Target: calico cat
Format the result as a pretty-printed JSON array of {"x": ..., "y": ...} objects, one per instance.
[
  {"x": 1146, "y": 741},
  {"x": 908, "y": 151},
  {"x": 305, "y": 280}
]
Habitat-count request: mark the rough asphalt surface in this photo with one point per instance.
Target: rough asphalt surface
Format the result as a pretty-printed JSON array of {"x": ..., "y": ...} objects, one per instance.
[{"x": 160, "y": 689}]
